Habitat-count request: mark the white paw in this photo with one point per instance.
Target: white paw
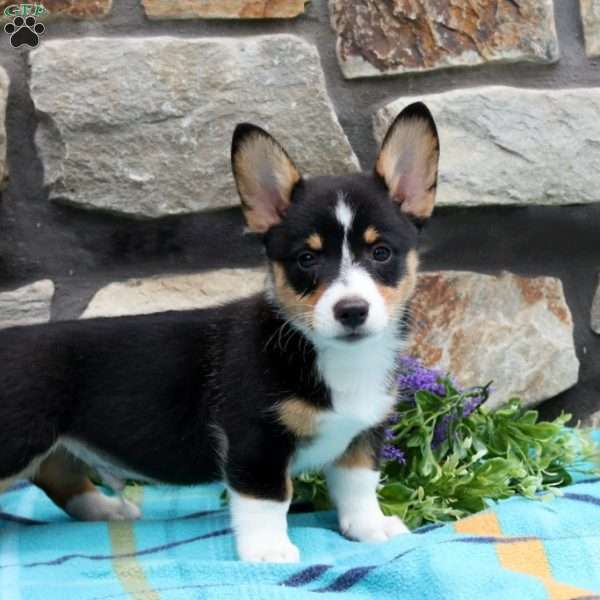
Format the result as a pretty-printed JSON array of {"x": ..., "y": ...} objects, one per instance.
[
  {"x": 371, "y": 528},
  {"x": 94, "y": 506},
  {"x": 274, "y": 551}
]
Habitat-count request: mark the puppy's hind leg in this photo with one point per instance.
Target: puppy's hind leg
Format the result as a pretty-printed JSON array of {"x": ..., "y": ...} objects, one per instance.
[
  {"x": 65, "y": 481},
  {"x": 24, "y": 469}
]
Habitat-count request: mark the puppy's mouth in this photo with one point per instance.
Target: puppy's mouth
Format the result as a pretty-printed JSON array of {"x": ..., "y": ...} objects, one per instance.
[{"x": 352, "y": 336}]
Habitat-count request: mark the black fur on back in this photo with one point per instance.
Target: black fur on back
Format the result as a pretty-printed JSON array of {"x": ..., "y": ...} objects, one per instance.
[{"x": 152, "y": 390}]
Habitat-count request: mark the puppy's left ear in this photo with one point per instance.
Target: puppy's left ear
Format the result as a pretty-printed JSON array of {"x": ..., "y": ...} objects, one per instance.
[
  {"x": 264, "y": 174},
  {"x": 408, "y": 161}
]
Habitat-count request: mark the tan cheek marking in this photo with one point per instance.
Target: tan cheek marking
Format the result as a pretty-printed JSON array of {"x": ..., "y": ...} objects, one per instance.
[
  {"x": 314, "y": 242},
  {"x": 294, "y": 304},
  {"x": 359, "y": 455},
  {"x": 299, "y": 417},
  {"x": 371, "y": 235},
  {"x": 285, "y": 294},
  {"x": 312, "y": 299},
  {"x": 398, "y": 296}
]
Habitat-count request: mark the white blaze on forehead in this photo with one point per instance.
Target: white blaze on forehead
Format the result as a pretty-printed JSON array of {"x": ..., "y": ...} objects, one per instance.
[
  {"x": 345, "y": 216},
  {"x": 343, "y": 212},
  {"x": 346, "y": 263}
]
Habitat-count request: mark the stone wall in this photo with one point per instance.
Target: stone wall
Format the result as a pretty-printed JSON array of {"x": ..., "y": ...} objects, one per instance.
[{"x": 117, "y": 196}]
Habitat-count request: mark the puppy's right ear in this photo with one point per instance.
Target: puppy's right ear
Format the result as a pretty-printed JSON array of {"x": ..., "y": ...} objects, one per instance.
[{"x": 264, "y": 174}]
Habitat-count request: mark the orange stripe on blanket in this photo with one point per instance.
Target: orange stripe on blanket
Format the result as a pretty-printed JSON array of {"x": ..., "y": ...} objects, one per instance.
[
  {"x": 485, "y": 523},
  {"x": 529, "y": 557},
  {"x": 521, "y": 556}
]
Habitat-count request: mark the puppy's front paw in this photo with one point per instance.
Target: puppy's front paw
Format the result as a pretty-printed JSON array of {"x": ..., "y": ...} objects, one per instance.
[
  {"x": 279, "y": 550},
  {"x": 371, "y": 528}
]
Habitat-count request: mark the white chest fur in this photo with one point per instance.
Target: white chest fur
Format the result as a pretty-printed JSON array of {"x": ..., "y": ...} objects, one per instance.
[{"x": 358, "y": 377}]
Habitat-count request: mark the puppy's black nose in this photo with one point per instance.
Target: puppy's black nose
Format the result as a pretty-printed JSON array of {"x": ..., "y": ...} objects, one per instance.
[{"x": 351, "y": 312}]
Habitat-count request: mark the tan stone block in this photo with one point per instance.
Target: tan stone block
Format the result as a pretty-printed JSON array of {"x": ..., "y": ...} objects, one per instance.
[
  {"x": 223, "y": 9},
  {"x": 384, "y": 37},
  {"x": 74, "y": 9},
  {"x": 516, "y": 332}
]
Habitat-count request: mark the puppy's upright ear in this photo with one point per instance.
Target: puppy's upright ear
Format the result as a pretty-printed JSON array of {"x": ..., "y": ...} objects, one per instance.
[
  {"x": 408, "y": 161},
  {"x": 264, "y": 174}
]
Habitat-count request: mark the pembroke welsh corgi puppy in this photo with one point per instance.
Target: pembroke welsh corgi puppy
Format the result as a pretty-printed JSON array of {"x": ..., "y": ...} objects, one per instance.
[{"x": 295, "y": 379}]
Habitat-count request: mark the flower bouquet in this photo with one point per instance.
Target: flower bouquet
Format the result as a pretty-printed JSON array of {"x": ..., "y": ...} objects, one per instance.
[{"x": 446, "y": 456}]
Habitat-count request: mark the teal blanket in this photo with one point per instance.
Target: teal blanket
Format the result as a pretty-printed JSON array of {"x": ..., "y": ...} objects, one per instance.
[{"x": 183, "y": 548}]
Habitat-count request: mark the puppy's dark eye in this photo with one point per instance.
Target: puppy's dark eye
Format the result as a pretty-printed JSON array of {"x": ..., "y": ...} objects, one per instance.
[
  {"x": 381, "y": 253},
  {"x": 307, "y": 260}
]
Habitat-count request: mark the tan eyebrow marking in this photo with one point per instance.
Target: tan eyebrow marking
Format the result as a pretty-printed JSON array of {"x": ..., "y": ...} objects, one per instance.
[
  {"x": 314, "y": 242},
  {"x": 371, "y": 235}
]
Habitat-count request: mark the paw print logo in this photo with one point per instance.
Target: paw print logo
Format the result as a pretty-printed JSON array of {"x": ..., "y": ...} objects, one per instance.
[{"x": 24, "y": 31}]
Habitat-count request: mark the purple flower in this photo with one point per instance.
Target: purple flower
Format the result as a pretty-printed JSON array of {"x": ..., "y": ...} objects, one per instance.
[
  {"x": 409, "y": 363},
  {"x": 393, "y": 418},
  {"x": 473, "y": 403},
  {"x": 414, "y": 377},
  {"x": 388, "y": 434},
  {"x": 390, "y": 452},
  {"x": 440, "y": 433}
]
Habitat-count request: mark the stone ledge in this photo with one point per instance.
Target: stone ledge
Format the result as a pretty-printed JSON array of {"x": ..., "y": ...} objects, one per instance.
[
  {"x": 174, "y": 292},
  {"x": 513, "y": 146},
  {"x": 223, "y": 9},
  {"x": 26, "y": 305}
]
